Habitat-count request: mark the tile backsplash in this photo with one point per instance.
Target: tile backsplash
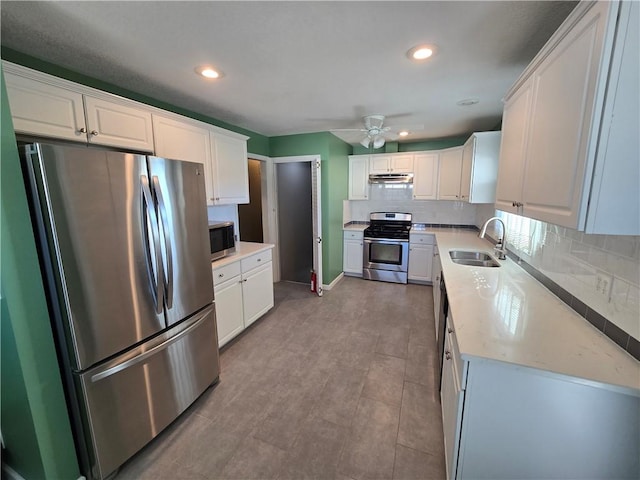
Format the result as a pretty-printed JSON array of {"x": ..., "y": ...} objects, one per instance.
[
  {"x": 399, "y": 198},
  {"x": 602, "y": 271}
]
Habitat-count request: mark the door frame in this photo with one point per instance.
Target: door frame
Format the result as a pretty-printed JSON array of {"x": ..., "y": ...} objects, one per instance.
[{"x": 316, "y": 203}]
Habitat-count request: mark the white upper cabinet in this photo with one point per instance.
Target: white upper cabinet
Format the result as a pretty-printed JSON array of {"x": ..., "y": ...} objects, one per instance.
[
  {"x": 358, "y": 177},
  {"x": 181, "y": 140},
  {"x": 229, "y": 183},
  {"x": 114, "y": 124},
  {"x": 449, "y": 174},
  {"x": 50, "y": 107},
  {"x": 396, "y": 163},
  {"x": 574, "y": 129},
  {"x": 480, "y": 167},
  {"x": 41, "y": 109},
  {"x": 513, "y": 150},
  {"x": 425, "y": 181}
]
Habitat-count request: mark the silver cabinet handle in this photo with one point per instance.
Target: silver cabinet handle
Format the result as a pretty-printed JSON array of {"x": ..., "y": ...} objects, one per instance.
[
  {"x": 259, "y": 259},
  {"x": 94, "y": 133},
  {"x": 164, "y": 222},
  {"x": 450, "y": 330},
  {"x": 82, "y": 130},
  {"x": 244, "y": 280},
  {"x": 447, "y": 354}
]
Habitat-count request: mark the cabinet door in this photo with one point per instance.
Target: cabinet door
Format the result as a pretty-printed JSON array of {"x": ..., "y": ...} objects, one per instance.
[
  {"x": 230, "y": 180},
  {"x": 118, "y": 125},
  {"x": 420, "y": 262},
  {"x": 257, "y": 292},
  {"x": 449, "y": 174},
  {"x": 181, "y": 140},
  {"x": 45, "y": 110},
  {"x": 229, "y": 312},
  {"x": 359, "y": 177},
  {"x": 401, "y": 164},
  {"x": 467, "y": 166},
  {"x": 564, "y": 99},
  {"x": 379, "y": 163},
  {"x": 513, "y": 149},
  {"x": 451, "y": 397},
  {"x": 352, "y": 261},
  {"x": 425, "y": 181}
]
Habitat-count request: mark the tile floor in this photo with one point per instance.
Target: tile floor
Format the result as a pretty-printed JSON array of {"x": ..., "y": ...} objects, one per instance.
[{"x": 338, "y": 387}]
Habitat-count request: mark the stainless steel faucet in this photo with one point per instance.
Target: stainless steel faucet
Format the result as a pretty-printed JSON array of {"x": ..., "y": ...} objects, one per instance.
[{"x": 501, "y": 246}]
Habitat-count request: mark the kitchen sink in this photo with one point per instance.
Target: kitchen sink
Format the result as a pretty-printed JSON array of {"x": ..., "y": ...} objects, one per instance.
[{"x": 473, "y": 259}]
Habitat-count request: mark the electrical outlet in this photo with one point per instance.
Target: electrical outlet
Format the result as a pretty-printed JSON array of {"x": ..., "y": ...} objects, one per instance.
[{"x": 603, "y": 284}]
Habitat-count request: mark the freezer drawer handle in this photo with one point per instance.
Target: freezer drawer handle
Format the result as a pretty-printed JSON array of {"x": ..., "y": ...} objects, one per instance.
[
  {"x": 150, "y": 212},
  {"x": 194, "y": 323},
  {"x": 164, "y": 221}
]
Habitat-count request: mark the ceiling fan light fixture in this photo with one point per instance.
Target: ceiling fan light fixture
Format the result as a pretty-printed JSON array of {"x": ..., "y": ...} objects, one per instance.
[
  {"x": 378, "y": 142},
  {"x": 207, "y": 71},
  {"x": 421, "y": 52},
  {"x": 365, "y": 142}
]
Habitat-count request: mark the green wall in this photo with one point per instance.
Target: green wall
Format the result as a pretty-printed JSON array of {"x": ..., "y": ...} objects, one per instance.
[
  {"x": 335, "y": 171},
  {"x": 35, "y": 425},
  {"x": 258, "y": 144}
]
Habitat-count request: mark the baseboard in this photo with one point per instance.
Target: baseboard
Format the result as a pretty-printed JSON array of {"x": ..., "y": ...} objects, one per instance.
[
  {"x": 9, "y": 473},
  {"x": 334, "y": 283}
]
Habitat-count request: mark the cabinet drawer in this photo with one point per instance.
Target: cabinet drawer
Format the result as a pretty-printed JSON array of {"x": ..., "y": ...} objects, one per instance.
[
  {"x": 353, "y": 235},
  {"x": 256, "y": 260},
  {"x": 421, "y": 238},
  {"x": 222, "y": 274}
]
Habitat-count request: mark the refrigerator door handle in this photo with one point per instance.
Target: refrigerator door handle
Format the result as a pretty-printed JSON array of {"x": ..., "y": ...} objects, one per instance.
[
  {"x": 155, "y": 277},
  {"x": 167, "y": 245},
  {"x": 188, "y": 326}
]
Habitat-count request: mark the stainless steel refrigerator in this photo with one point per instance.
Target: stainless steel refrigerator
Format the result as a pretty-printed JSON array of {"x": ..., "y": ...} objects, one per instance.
[{"x": 125, "y": 256}]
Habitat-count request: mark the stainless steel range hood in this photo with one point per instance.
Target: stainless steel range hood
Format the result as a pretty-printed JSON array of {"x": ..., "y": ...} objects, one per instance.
[{"x": 391, "y": 178}]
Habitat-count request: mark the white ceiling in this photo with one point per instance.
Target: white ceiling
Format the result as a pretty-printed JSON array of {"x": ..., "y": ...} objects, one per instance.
[{"x": 296, "y": 67}]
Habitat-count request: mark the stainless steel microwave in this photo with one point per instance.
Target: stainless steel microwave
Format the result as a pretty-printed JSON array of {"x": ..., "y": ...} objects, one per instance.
[{"x": 222, "y": 239}]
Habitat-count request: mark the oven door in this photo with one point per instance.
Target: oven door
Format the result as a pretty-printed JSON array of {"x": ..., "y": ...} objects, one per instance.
[{"x": 390, "y": 255}]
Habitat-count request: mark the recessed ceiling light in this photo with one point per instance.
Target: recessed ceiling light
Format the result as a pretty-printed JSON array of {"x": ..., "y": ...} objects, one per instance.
[
  {"x": 208, "y": 71},
  {"x": 421, "y": 52},
  {"x": 403, "y": 133},
  {"x": 467, "y": 101}
]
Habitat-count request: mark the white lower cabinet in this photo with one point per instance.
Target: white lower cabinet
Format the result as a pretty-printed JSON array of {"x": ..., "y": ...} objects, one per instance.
[
  {"x": 420, "y": 257},
  {"x": 229, "y": 311},
  {"x": 257, "y": 293},
  {"x": 452, "y": 397},
  {"x": 352, "y": 253},
  {"x": 243, "y": 293},
  {"x": 504, "y": 421}
]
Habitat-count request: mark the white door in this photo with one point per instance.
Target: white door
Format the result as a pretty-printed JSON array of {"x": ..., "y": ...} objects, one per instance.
[
  {"x": 317, "y": 223},
  {"x": 359, "y": 177},
  {"x": 229, "y": 314},
  {"x": 231, "y": 170}
]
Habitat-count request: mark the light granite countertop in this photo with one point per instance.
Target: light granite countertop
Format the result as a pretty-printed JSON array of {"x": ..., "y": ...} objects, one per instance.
[
  {"x": 243, "y": 250},
  {"x": 504, "y": 314}
]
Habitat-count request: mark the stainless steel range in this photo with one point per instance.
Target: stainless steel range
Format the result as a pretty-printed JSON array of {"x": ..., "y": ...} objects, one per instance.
[{"x": 386, "y": 247}]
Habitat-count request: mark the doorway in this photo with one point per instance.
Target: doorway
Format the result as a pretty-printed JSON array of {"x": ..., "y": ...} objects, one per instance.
[
  {"x": 250, "y": 214},
  {"x": 295, "y": 225}
]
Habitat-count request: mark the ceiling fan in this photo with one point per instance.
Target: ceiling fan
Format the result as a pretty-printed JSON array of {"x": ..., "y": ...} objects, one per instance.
[{"x": 374, "y": 132}]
